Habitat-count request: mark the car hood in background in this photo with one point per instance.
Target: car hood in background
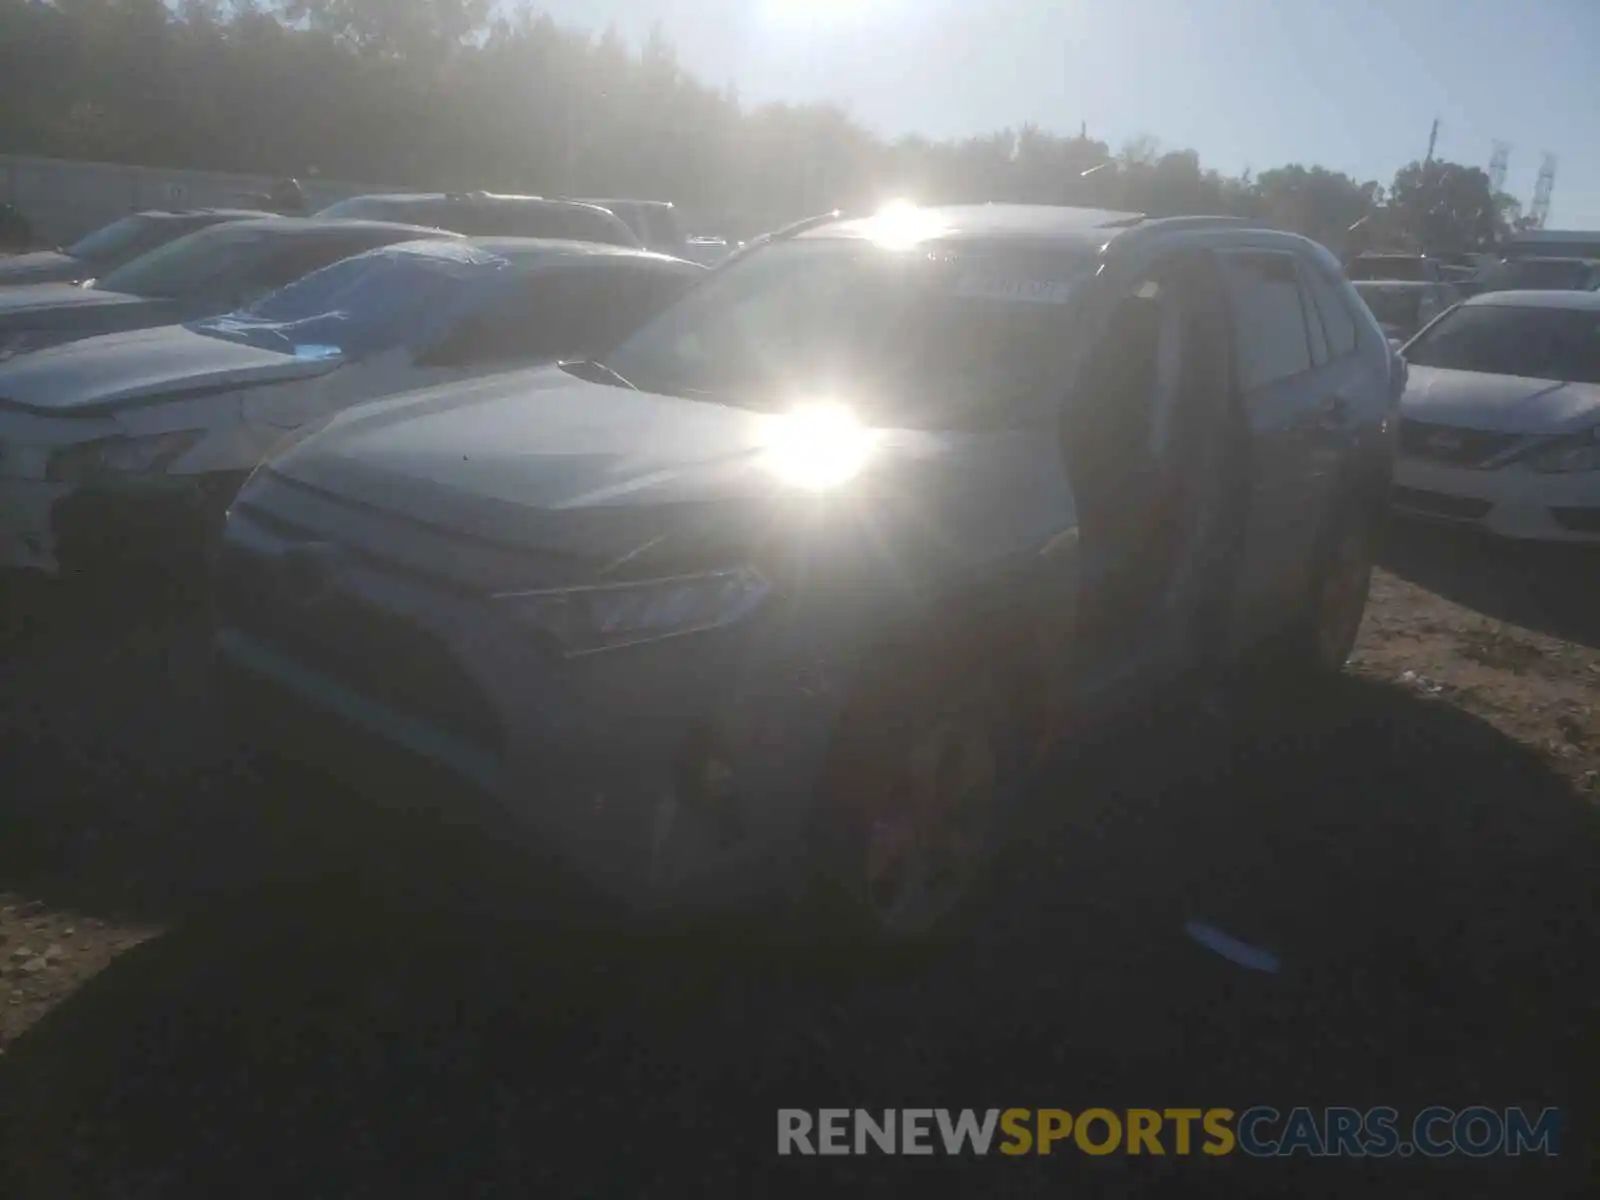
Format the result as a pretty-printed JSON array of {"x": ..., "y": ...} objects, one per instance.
[
  {"x": 1497, "y": 403},
  {"x": 541, "y": 460},
  {"x": 116, "y": 370},
  {"x": 44, "y": 314},
  {"x": 42, "y": 266}
]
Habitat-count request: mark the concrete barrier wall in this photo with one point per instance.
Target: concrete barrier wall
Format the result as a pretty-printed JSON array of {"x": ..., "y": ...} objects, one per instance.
[{"x": 63, "y": 200}]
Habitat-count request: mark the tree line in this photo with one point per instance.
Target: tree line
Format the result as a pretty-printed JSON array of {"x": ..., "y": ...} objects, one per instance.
[{"x": 467, "y": 94}]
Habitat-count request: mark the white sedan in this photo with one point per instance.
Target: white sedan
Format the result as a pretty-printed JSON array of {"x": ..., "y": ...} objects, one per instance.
[
  {"x": 133, "y": 444},
  {"x": 1500, "y": 423}
]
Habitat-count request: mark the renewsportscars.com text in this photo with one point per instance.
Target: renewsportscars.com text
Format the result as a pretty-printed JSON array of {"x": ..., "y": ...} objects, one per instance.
[{"x": 1260, "y": 1132}]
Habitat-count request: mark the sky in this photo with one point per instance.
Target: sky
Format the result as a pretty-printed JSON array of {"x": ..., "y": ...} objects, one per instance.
[{"x": 1353, "y": 85}]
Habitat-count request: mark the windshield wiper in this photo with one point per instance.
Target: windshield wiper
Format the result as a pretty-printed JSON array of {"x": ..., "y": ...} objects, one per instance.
[{"x": 594, "y": 371}]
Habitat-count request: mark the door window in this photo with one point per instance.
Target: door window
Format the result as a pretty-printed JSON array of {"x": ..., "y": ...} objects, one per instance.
[
  {"x": 1337, "y": 321},
  {"x": 1271, "y": 341},
  {"x": 1314, "y": 328}
]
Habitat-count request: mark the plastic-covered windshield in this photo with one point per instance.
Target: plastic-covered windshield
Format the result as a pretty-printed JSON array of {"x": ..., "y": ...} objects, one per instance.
[{"x": 396, "y": 296}]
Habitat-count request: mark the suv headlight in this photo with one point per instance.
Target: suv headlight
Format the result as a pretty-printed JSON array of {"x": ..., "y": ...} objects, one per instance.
[
  {"x": 120, "y": 456},
  {"x": 588, "y": 620},
  {"x": 1571, "y": 452}
]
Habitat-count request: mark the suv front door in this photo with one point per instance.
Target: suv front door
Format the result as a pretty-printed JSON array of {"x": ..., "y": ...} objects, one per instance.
[
  {"x": 1287, "y": 404},
  {"x": 1146, "y": 438}
]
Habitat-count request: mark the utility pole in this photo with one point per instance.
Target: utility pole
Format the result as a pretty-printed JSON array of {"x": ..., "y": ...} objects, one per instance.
[
  {"x": 1540, "y": 212},
  {"x": 1433, "y": 140},
  {"x": 1499, "y": 161}
]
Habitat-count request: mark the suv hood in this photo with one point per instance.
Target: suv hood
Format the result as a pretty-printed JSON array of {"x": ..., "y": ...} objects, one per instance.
[
  {"x": 1498, "y": 403},
  {"x": 118, "y": 370},
  {"x": 42, "y": 266},
  {"x": 35, "y": 298},
  {"x": 541, "y": 460}
]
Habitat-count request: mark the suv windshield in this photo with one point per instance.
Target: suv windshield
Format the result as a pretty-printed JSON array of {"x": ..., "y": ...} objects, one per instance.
[
  {"x": 928, "y": 336},
  {"x": 1399, "y": 266},
  {"x": 1400, "y": 307},
  {"x": 185, "y": 263},
  {"x": 1541, "y": 274},
  {"x": 114, "y": 241},
  {"x": 1538, "y": 343},
  {"x": 419, "y": 211},
  {"x": 367, "y": 304}
]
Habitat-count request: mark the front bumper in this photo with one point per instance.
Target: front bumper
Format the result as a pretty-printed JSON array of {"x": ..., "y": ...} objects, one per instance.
[
  {"x": 62, "y": 528},
  {"x": 1510, "y": 502},
  {"x": 424, "y": 695}
]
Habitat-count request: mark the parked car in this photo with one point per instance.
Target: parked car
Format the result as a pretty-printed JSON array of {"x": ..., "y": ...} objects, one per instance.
[
  {"x": 484, "y": 214},
  {"x": 108, "y": 248},
  {"x": 1402, "y": 268},
  {"x": 1466, "y": 280},
  {"x": 1500, "y": 423},
  {"x": 1404, "y": 308},
  {"x": 708, "y": 251},
  {"x": 133, "y": 443},
  {"x": 654, "y": 222},
  {"x": 16, "y": 231},
  {"x": 793, "y": 583},
  {"x": 1542, "y": 274},
  {"x": 216, "y": 270}
]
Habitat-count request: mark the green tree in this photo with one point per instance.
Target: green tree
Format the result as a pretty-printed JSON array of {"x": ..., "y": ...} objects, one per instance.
[
  {"x": 1444, "y": 206},
  {"x": 463, "y": 94},
  {"x": 402, "y": 28},
  {"x": 1315, "y": 201}
]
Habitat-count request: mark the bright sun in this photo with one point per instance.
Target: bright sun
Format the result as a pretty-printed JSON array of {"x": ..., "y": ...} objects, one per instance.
[
  {"x": 818, "y": 13},
  {"x": 818, "y": 447}
]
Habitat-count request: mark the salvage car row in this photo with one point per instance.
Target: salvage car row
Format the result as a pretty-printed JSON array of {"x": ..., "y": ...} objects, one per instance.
[{"x": 777, "y": 579}]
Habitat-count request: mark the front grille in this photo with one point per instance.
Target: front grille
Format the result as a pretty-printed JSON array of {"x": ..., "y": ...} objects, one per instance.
[
  {"x": 1438, "y": 504},
  {"x": 381, "y": 655},
  {"x": 1577, "y": 520},
  {"x": 1452, "y": 446}
]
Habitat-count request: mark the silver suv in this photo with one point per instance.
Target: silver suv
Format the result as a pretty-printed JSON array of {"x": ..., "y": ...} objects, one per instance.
[{"x": 790, "y": 590}]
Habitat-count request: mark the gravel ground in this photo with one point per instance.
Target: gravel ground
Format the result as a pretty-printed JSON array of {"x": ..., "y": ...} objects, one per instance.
[{"x": 213, "y": 985}]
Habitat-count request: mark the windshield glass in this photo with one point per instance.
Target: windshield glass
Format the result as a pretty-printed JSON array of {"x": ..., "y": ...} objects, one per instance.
[
  {"x": 1396, "y": 306},
  {"x": 114, "y": 241},
  {"x": 930, "y": 336},
  {"x": 1540, "y": 274},
  {"x": 365, "y": 208},
  {"x": 1411, "y": 270},
  {"x": 185, "y": 263},
  {"x": 367, "y": 304},
  {"x": 1539, "y": 343}
]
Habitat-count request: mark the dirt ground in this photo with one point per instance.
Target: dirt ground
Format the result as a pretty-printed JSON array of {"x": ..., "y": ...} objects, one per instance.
[{"x": 209, "y": 987}]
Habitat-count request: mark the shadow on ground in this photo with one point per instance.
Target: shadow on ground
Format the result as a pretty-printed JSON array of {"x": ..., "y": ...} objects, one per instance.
[
  {"x": 392, "y": 1019},
  {"x": 1551, "y": 589}
]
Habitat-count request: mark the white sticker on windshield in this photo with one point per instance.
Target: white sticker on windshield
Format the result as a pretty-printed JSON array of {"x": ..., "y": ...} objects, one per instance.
[
  {"x": 1027, "y": 291},
  {"x": 317, "y": 352}
]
